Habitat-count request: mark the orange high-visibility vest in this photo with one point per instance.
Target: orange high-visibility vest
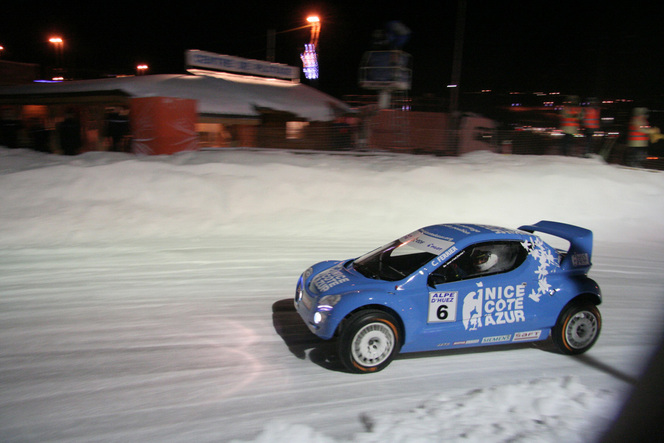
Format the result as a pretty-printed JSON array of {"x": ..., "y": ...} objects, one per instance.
[
  {"x": 591, "y": 118},
  {"x": 570, "y": 117},
  {"x": 638, "y": 134}
]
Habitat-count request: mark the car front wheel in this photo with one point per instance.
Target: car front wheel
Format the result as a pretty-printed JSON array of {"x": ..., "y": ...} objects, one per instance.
[
  {"x": 577, "y": 328},
  {"x": 369, "y": 341}
]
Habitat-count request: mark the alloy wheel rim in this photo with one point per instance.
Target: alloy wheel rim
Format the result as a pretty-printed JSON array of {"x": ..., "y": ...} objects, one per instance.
[
  {"x": 373, "y": 344},
  {"x": 581, "y": 329}
]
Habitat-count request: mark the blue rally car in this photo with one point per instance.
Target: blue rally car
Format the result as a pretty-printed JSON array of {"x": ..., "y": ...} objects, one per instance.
[{"x": 451, "y": 286}]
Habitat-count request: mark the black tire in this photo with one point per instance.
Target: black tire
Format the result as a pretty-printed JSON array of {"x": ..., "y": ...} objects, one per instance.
[
  {"x": 368, "y": 341},
  {"x": 577, "y": 328}
]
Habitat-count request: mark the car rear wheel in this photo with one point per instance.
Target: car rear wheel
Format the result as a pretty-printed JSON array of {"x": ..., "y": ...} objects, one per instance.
[
  {"x": 577, "y": 328},
  {"x": 369, "y": 341}
]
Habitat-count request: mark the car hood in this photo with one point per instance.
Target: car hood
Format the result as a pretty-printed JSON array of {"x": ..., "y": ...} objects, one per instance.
[{"x": 339, "y": 279}]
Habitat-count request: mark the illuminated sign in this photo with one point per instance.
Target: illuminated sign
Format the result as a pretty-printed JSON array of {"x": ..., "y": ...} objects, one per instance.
[
  {"x": 309, "y": 62},
  {"x": 238, "y": 65}
]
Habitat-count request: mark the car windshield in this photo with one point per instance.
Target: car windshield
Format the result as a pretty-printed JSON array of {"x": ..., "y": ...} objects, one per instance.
[{"x": 399, "y": 259}]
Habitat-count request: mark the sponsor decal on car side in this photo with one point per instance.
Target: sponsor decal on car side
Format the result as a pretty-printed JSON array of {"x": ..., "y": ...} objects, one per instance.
[
  {"x": 497, "y": 338},
  {"x": 496, "y": 305},
  {"x": 466, "y": 342},
  {"x": 529, "y": 335}
]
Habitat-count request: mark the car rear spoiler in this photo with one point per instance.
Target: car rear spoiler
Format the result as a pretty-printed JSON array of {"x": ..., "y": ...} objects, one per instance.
[{"x": 581, "y": 243}]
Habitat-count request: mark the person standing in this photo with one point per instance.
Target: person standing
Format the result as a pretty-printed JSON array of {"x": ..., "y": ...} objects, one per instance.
[
  {"x": 591, "y": 123},
  {"x": 10, "y": 127},
  {"x": 70, "y": 134},
  {"x": 117, "y": 128},
  {"x": 570, "y": 116},
  {"x": 638, "y": 137}
]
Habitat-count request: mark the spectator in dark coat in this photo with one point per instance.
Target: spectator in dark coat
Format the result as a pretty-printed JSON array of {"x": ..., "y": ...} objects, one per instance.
[
  {"x": 70, "y": 134},
  {"x": 9, "y": 129}
]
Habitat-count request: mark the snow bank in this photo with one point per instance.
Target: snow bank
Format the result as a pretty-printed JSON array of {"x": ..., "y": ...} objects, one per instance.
[
  {"x": 546, "y": 410},
  {"x": 99, "y": 197}
]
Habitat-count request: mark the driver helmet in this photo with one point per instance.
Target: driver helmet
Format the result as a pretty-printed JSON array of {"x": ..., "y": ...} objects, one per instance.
[{"x": 484, "y": 260}]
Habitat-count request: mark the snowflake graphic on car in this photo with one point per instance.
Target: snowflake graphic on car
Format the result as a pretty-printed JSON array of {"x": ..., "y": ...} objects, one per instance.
[{"x": 547, "y": 261}]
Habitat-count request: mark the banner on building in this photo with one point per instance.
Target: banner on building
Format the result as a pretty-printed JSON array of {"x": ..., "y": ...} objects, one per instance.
[{"x": 237, "y": 65}]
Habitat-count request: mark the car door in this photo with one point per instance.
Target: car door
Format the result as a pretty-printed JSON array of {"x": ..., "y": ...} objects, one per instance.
[{"x": 468, "y": 305}]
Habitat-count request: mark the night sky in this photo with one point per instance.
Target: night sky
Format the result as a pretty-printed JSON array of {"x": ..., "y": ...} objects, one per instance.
[{"x": 582, "y": 48}]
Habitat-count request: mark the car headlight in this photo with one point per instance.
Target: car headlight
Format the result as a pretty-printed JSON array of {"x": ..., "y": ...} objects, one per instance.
[
  {"x": 325, "y": 305},
  {"x": 329, "y": 301}
]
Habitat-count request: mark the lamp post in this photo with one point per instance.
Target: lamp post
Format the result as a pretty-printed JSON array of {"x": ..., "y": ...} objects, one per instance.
[
  {"x": 57, "y": 43},
  {"x": 314, "y": 22},
  {"x": 456, "y": 69}
]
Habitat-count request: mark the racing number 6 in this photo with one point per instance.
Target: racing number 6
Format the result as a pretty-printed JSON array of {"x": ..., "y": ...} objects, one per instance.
[{"x": 442, "y": 312}]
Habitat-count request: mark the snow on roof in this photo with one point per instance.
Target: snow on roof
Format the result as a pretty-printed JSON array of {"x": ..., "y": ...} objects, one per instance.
[{"x": 217, "y": 95}]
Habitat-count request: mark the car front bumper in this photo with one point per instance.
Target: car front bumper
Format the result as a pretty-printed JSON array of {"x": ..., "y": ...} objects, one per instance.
[{"x": 314, "y": 315}]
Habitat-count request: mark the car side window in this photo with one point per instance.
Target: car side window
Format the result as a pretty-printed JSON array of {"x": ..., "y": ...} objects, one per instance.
[{"x": 481, "y": 260}]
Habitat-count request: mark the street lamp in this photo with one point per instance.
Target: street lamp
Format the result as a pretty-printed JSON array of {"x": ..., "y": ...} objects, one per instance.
[
  {"x": 57, "y": 43},
  {"x": 314, "y": 24}
]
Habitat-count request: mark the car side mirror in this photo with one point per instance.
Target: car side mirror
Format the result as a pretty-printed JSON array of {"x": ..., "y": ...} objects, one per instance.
[{"x": 435, "y": 280}]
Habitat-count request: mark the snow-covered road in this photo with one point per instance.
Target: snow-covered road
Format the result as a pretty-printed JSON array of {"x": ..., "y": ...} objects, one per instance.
[{"x": 140, "y": 337}]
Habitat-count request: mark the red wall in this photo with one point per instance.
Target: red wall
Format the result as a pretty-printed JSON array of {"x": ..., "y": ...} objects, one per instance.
[{"x": 163, "y": 125}]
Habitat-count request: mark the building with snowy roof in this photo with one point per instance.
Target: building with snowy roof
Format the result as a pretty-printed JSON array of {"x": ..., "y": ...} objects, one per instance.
[{"x": 169, "y": 113}]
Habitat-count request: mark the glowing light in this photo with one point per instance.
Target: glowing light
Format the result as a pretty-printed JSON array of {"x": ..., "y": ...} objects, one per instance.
[
  {"x": 309, "y": 62},
  {"x": 55, "y": 40},
  {"x": 314, "y": 22}
]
